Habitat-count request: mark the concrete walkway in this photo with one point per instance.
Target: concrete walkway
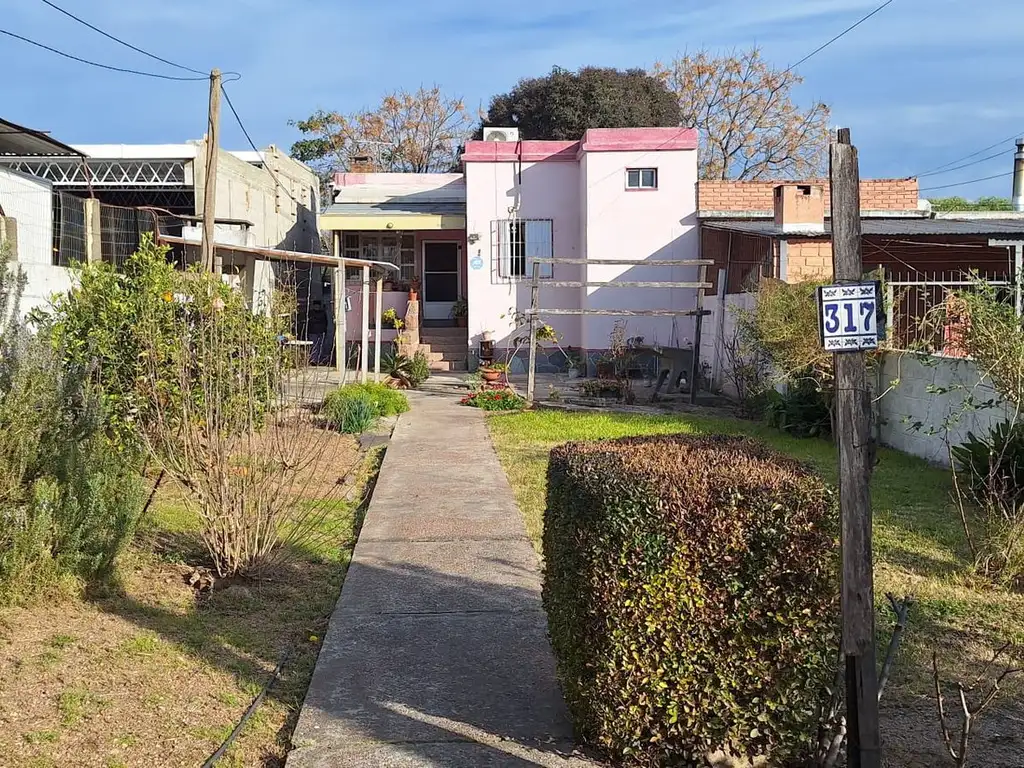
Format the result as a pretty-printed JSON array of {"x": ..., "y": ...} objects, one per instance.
[{"x": 437, "y": 653}]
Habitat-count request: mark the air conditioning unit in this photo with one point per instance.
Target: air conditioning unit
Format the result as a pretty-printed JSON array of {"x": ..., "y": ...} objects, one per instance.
[{"x": 501, "y": 134}]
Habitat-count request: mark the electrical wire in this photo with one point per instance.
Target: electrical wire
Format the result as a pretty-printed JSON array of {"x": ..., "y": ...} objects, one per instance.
[
  {"x": 252, "y": 143},
  {"x": 850, "y": 28},
  {"x": 101, "y": 66},
  {"x": 965, "y": 165},
  {"x": 119, "y": 40},
  {"x": 970, "y": 181},
  {"x": 973, "y": 154}
]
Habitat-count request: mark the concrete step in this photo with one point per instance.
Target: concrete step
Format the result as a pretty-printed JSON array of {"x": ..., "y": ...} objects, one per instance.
[
  {"x": 445, "y": 345},
  {"x": 463, "y": 332},
  {"x": 444, "y": 366}
]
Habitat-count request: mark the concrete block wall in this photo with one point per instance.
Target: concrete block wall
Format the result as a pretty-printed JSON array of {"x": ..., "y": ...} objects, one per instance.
[
  {"x": 806, "y": 259},
  {"x": 914, "y": 420},
  {"x": 875, "y": 194}
]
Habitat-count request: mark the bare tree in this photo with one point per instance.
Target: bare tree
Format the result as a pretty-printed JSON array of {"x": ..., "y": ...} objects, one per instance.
[
  {"x": 750, "y": 127},
  {"x": 409, "y": 131}
]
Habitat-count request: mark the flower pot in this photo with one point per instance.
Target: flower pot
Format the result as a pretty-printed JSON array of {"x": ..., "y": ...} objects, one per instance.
[
  {"x": 461, "y": 321},
  {"x": 388, "y": 285},
  {"x": 489, "y": 376},
  {"x": 414, "y": 295}
]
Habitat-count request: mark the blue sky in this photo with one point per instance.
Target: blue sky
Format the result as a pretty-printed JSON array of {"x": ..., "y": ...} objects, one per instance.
[{"x": 922, "y": 83}]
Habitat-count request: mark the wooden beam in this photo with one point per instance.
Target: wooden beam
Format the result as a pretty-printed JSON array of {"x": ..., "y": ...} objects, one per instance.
[
  {"x": 698, "y": 323},
  {"x": 853, "y": 427},
  {"x": 622, "y": 312},
  {"x": 630, "y": 262},
  {"x": 621, "y": 284}
]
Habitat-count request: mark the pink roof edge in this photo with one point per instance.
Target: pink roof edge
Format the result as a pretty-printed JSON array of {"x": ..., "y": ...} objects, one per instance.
[{"x": 594, "y": 140}]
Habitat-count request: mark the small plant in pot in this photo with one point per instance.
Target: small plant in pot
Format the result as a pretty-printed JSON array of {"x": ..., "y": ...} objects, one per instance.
[
  {"x": 460, "y": 312},
  {"x": 573, "y": 363},
  {"x": 493, "y": 372},
  {"x": 389, "y": 319},
  {"x": 414, "y": 289}
]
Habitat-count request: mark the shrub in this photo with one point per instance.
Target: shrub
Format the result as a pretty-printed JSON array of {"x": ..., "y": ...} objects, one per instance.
[
  {"x": 494, "y": 400},
  {"x": 384, "y": 401},
  {"x": 419, "y": 370},
  {"x": 691, "y": 590},
  {"x": 991, "y": 471},
  {"x": 801, "y": 411}
]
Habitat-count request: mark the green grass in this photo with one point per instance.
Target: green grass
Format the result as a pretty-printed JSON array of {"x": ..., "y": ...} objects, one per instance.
[
  {"x": 918, "y": 541},
  {"x": 76, "y": 704}
]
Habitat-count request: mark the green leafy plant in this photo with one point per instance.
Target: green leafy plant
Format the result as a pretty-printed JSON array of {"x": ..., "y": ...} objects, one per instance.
[
  {"x": 801, "y": 410},
  {"x": 497, "y": 367},
  {"x": 691, "y": 591},
  {"x": 494, "y": 400},
  {"x": 419, "y": 369},
  {"x": 389, "y": 318},
  {"x": 460, "y": 308},
  {"x": 384, "y": 400},
  {"x": 398, "y": 368}
]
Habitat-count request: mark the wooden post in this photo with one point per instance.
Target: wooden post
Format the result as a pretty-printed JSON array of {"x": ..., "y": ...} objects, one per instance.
[
  {"x": 377, "y": 328},
  {"x": 853, "y": 426},
  {"x": 698, "y": 323},
  {"x": 716, "y": 368},
  {"x": 364, "y": 351},
  {"x": 210, "y": 181},
  {"x": 339, "y": 309},
  {"x": 531, "y": 373}
]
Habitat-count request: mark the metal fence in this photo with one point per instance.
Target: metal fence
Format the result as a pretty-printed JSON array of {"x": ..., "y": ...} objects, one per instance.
[
  {"x": 121, "y": 231},
  {"x": 69, "y": 232},
  {"x": 920, "y": 310}
]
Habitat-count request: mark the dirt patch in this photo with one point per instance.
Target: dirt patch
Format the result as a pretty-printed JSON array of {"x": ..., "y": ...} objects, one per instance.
[{"x": 151, "y": 673}]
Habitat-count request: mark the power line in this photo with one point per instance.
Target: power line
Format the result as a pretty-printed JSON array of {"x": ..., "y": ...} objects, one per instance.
[
  {"x": 971, "y": 181},
  {"x": 256, "y": 149},
  {"x": 965, "y": 165},
  {"x": 97, "y": 64},
  {"x": 850, "y": 28},
  {"x": 973, "y": 154},
  {"x": 119, "y": 40}
]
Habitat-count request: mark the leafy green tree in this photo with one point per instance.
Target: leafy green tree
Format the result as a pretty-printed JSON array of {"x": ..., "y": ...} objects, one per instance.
[
  {"x": 990, "y": 203},
  {"x": 564, "y": 104}
]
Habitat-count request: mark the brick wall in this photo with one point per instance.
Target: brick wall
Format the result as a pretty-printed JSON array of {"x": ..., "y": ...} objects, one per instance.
[
  {"x": 809, "y": 259},
  {"x": 875, "y": 194}
]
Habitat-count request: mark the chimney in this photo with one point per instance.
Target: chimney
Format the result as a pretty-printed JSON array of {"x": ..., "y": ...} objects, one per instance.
[
  {"x": 1018, "y": 177},
  {"x": 799, "y": 208},
  {"x": 362, "y": 164}
]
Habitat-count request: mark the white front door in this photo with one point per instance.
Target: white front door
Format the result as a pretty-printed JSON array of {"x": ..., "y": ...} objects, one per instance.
[{"x": 440, "y": 278}]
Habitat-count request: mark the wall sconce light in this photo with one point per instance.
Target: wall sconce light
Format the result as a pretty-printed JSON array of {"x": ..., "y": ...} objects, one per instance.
[
  {"x": 391, "y": 225},
  {"x": 473, "y": 238}
]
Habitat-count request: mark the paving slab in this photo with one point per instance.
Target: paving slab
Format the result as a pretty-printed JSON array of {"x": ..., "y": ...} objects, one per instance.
[{"x": 437, "y": 653}]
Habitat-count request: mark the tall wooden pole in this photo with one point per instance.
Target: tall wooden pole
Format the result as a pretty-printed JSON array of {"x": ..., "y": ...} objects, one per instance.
[
  {"x": 853, "y": 425},
  {"x": 377, "y": 318},
  {"x": 364, "y": 352},
  {"x": 210, "y": 182},
  {"x": 531, "y": 373}
]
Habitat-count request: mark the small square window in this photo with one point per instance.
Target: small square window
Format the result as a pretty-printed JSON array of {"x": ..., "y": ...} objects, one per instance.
[{"x": 641, "y": 178}]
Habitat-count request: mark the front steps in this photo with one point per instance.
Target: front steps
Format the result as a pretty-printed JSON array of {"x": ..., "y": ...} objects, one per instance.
[{"x": 447, "y": 349}]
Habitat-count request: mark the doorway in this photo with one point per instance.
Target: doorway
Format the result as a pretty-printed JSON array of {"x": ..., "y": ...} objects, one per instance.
[{"x": 442, "y": 278}]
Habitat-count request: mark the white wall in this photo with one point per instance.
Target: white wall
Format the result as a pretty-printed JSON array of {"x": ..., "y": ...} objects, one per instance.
[
  {"x": 914, "y": 420},
  {"x": 29, "y": 201},
  {"x": 718, "y": 329}
]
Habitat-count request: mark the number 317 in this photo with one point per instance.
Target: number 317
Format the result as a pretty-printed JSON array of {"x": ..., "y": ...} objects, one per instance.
[{"x": 835, "y": 313}]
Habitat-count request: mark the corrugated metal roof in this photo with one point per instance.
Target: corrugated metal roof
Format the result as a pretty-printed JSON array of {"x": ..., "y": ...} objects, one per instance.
[
  {"x": 19, "y": 141},
  {"x": 397, "y": 208},
  {"x": 894, "y": 227}
]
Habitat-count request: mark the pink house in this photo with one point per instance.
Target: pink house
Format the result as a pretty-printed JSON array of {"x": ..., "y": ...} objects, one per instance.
[{"x": 468, "y": 241}]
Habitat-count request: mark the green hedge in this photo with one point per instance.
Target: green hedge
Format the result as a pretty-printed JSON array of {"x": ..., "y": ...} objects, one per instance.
[{"x": 691, "y": 591}]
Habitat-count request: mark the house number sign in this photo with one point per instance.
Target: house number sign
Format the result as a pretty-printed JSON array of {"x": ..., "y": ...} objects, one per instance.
[{"x": 851, "y": 317}]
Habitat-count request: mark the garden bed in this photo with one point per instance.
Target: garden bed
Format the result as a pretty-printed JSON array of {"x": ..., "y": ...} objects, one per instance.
[{"x": 150, "y": 672}]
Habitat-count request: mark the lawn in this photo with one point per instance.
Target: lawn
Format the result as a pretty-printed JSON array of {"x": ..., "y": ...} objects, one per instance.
[
  {"x": 147, "y": 672},
  {"x": 918, "y": 543}
]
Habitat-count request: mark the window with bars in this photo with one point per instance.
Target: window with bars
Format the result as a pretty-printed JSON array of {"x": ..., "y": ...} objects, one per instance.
[
  {"x": 519, "y": 242},
  {"x": 397, "y": 249}
]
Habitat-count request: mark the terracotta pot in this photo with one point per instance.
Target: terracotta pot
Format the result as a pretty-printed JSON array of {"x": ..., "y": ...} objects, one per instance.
[
  {"x": 487, "y": 375},
  {"x": 462, "y": 321},
  {"x": 388, "y": 286},
  {"x": 414, "y": 296}
]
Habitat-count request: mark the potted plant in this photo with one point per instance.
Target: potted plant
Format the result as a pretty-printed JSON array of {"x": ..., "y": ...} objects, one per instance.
[
  {"x": 389, "y": 318},
  {"x": 388, "y": 285},
  {"x": 460, "y": 312},
  {"x": 493, "y": 372},
  {"x": 414, "y": 289},
  {"x": 572, "y": 363}
]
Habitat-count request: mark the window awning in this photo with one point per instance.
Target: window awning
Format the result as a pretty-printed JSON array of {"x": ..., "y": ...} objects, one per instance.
[{"x": 397, "y": 216}]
